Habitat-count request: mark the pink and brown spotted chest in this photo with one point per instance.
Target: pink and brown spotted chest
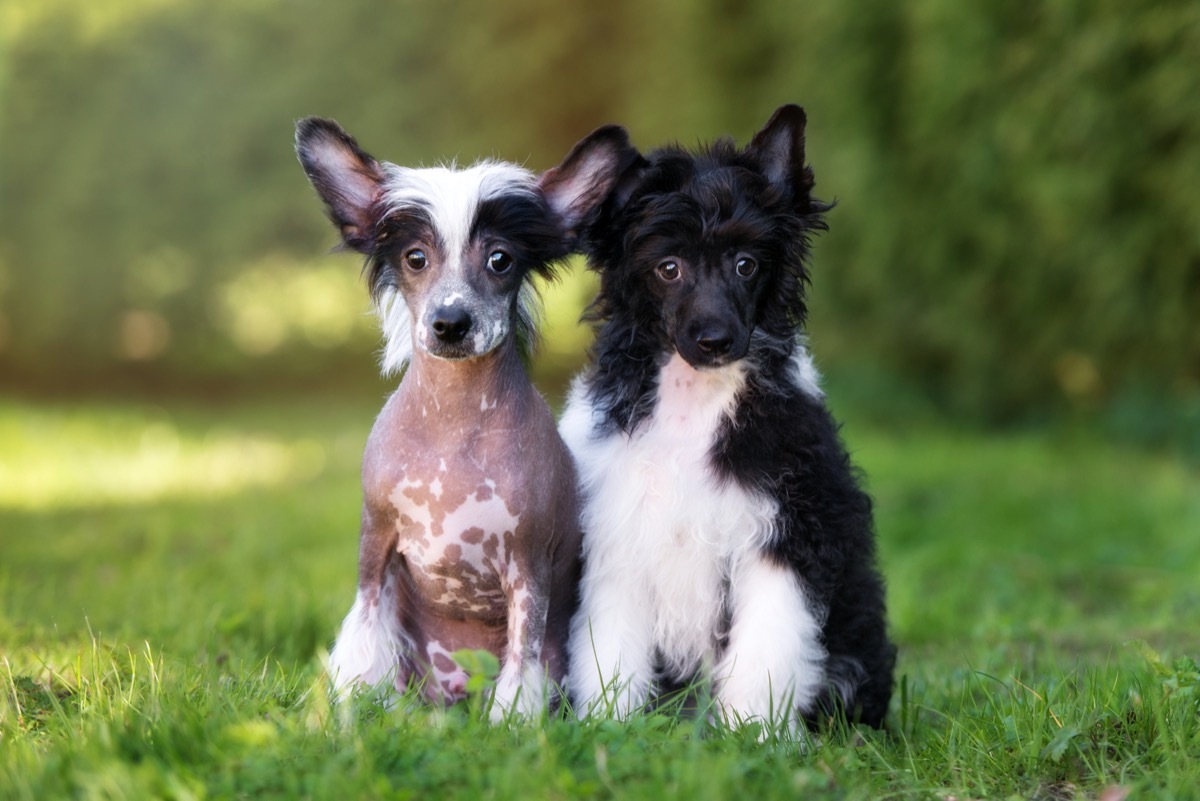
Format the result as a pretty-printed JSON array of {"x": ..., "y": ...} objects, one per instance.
[
  {"x": 456, "y": 532},
  {"x": 461, "y": 507}
]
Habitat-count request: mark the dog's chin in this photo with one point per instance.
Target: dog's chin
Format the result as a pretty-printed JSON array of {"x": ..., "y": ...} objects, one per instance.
[
  {"x": 453, "y": 353},
  {"x": 702, "y": 360}
]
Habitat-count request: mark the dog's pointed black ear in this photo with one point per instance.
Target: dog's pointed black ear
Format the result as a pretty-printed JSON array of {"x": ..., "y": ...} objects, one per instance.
[
  {"x": 345, "y": 177},
  {"x": 779, "y": 148},
  {"x": 577, "y": 188}
]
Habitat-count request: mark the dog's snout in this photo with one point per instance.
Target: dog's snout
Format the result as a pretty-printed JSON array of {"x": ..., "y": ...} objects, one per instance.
[
  {"x": 714, "y": 341},
  {"x": 711, "y": 342},
  {"x": 450, "y": 324}
]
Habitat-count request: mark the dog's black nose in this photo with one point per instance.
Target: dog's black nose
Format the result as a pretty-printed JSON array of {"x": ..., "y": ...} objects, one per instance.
[
  {"x": 714, "y": 341},
  {"x": 450, "y": 324}
]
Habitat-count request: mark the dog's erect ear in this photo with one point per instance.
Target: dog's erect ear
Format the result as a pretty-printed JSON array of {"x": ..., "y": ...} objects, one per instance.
[
  {"x": 345, "y": 177},
  {"x": 779, "y": 148},
  {"x": 576, "y": 188}
]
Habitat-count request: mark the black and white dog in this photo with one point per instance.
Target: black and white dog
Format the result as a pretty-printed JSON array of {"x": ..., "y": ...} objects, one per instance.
[{"x": 725, "y": 535}]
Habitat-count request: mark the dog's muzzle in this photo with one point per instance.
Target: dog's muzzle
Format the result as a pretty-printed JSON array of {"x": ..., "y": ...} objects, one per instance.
[
  {"x": 450, "y": 324},
  {"x": 711, "y": 344},
  {"x": 449, "y": 333}
]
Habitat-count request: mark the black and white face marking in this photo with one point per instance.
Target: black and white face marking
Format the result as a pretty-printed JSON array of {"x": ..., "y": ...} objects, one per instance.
[
  {"x": 449, "y": 249},
  {"x": 455, "y": 256}
]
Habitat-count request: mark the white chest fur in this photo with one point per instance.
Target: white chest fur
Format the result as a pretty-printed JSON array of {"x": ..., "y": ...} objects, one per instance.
[{"x": 657, "y": 521}]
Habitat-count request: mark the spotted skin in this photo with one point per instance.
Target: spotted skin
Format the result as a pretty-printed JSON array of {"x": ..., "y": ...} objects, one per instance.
[
  {"x": 470, "y": 532},
  {"x": 452, "y": 540},
  {"x": 457, "y": 516}
]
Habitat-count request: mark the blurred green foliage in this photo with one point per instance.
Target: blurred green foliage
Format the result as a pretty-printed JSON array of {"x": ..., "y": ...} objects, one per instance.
[{"x": 1018, "y": 228}]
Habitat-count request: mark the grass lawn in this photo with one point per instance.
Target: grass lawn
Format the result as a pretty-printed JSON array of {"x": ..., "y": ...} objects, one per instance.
[{"x": 171, "y": 577}]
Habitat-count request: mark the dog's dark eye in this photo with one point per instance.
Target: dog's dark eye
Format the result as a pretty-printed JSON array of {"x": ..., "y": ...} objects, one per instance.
[
  {"x": 415, "y": 259},
  {"x": 668, "y": 270},
  {"x": 499, "y": 262},
  {"x": 746, "y": 266}
]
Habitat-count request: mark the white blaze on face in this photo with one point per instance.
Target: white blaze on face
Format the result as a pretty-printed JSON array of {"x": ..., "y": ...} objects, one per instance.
[{"x": 451, "y": 198}]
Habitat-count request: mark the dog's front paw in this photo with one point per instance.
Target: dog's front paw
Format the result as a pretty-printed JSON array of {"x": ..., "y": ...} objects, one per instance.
[{"x": 517, "y": 695}]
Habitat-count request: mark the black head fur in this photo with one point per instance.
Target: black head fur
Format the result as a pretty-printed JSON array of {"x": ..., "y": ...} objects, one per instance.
[{"x": 710, "y": 207}]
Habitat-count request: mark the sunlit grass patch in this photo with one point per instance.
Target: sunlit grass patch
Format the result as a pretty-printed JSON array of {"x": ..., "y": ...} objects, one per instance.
[
  {"x": 1033, "y": 537},
  {"x": 75, "y": 457},
  {"x": 171, "y": 645}
]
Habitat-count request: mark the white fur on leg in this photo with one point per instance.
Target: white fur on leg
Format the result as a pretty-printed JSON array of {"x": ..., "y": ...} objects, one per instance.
[
  {"x": 659, "y": 534},
  {"x": 521, "y": 689},
  {"x": 610, "y": 648},
  {"x": 370, "y": 646},
  {"x": 774, "y": 663}
]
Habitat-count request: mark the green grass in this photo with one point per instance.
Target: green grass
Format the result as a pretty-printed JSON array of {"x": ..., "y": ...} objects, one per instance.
[{"x": 170, "y": 578}]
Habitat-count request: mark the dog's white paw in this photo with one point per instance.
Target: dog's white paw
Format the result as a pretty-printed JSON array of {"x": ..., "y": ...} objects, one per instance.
[{"x": 521, "y": 694}]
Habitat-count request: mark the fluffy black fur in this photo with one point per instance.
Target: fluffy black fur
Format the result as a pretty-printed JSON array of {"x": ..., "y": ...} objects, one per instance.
[{"x": 756, "y": 202}]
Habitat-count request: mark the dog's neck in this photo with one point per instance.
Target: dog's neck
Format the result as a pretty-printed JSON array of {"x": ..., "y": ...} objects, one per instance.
[
  {"x": 468, "y": 389},
  {"x": 693, "y": 400}
]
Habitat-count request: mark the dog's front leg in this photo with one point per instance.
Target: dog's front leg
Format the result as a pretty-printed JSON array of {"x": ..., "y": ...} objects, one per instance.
[
  {"x": 521, "y": 687},
  {"x": 372, "y": 646},
  {"x": 611, "y": 647},
  {"x": 774, "y": 663}
]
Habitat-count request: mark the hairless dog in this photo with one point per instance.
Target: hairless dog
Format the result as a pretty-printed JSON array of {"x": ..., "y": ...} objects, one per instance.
[{"x": 470, "y": 527}]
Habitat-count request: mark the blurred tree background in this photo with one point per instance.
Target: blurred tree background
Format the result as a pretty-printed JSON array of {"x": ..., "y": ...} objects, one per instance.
[{"x": 1017, "y": 232}]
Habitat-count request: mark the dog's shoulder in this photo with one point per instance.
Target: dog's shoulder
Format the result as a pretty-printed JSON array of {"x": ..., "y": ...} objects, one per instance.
[{"x": 784, "y": 441}]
